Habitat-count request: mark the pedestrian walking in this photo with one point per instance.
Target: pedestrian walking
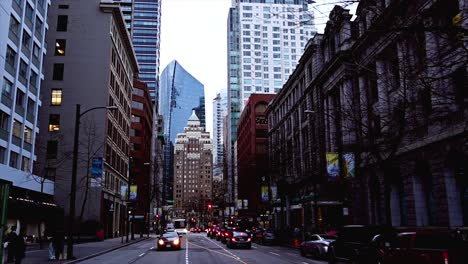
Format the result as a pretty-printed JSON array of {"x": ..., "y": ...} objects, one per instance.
[
  {"x": 11, "y": 239},
  {"x": 58, "y": 242},
  {"x": 51, "y": 251},
  {"x": 20, "y": 248}
]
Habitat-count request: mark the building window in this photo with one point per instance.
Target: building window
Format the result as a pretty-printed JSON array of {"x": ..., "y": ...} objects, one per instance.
[
  {"x": 14, "y": 26},
  {"x": 7, "y": 86},
  {"x": 13, "y": 159},
  {"x": 27, "y": 135},
  {"x": 62, "y": 23},
  {"x": 38, "y": 26},
  {"x": 17, "y": 129},
  {"x": 54, "y": 122},
  {"x": 4, "y": 118},
  {"x": 19, "y": 98},
  {"x": 33, "y": 78},
  {"x": 23, "y": 69},
  {"x": 52, "y": 149},
  {"x": 36, "y": 51},
  {"x": 25, "y": 164},
  {"x": 56, "y": 97},
  {"x": 10, "y": 57},
  {"x": 2, "y": 154},
  {"x": 58, "y": 72},
  {"x": 60, "y": 45},
  {"x": 29, "y": 12}
]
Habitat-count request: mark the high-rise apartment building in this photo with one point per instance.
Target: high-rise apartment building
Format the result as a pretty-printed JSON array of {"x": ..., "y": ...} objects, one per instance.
[
  {"x": 266, "y": 38},
  {"x": 90, "y": 61},
  {"x": 180, "y": 94},
  {"x": 23, "y": 26},
  {"x": 193, "y": 167},
  {"x": 143, "y": 21},
  {"x": 219, "y": 111}
]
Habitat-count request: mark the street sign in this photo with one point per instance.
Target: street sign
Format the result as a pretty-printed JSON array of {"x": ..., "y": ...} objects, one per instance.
[{"x": 96, "y": 167}]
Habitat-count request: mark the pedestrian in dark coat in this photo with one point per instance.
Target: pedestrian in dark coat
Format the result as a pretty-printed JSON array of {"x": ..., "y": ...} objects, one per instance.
[
  {"x": 20, "y": 248},
  {"x": 58, "y": 242},
  {"x": 11, "y": 238}
]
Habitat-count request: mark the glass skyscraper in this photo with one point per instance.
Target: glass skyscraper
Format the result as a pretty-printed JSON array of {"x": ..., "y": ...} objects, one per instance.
[
  {"x": 180, "y": 93},
  {"x": 143, "y": 20},
  {"x": 266, "y": 38}
]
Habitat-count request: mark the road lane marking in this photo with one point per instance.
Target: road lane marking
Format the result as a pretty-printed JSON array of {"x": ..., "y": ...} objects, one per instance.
[
  {"x": 224, "y": 254},
  {"x": 151, "y": 248},
  {"x": 254, "y": 247},
  {"x": 141, "y": 254},
  {"x": 222, "y": 248},
  {"x": 186, "y": 250},
  {"x": 292, "y": 254},
  {"x": 275, "y": 253}
]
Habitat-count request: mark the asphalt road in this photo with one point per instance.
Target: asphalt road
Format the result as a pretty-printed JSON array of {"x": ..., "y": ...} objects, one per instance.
[{"x": 198, "y": 249}]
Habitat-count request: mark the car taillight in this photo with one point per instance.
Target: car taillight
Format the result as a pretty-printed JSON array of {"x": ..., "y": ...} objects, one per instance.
[
  {"x": 446, "y": 257},
  {"x": 161, "y": 242},
  {"x": 248, "y": 239},
  {"x": 176, "y": 242},
  {"x": 233, "y": 239},
  {"x": 226, "y": 234}
]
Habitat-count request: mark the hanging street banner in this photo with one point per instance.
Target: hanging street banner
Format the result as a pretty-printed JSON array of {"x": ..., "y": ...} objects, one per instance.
[
  {"x": 96, "y": 167},
  {"x": 333, "y": 168},
  {"x": 133, "y": 192},
  {"x": 349, "y": 164},
  {"x": 265, "y": 194},
  {"x": 123, "y": 192}
]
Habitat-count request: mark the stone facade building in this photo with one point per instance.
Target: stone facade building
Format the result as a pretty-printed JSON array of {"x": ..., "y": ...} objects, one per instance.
[
  {"x": 193, "y": 168},
  {"x": 386, "y": 100}
]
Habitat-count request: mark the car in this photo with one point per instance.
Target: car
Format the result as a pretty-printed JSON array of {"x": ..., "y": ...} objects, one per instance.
[
  {"x": 258, "y": 234},
  {"x": 355, "y": 244},
  {"x": 316, "y": 245},
  {"x": 239, "y": 239},
  {"x": 268, "y": 237},
  {"x": 214, "y": 231},
  {"x": 227, "y": 234},
  {"x": 170, "y": 228},
  {"x": 169, "y": 240},
  {"x": 424, "y": 247}
]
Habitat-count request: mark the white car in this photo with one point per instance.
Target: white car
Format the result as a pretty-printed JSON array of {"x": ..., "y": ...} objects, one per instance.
[{"x": 170, "y": 228}]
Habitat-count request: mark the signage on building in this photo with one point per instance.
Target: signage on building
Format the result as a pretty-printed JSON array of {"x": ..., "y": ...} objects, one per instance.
[
  {"x": 349, "y": 164},
  {"x": 123, "y": 192},
  {"x": 133, "y": 192},
  {"x": 333, "y": 168},
  {"x": 265, "y": 194},
  {"x": 96, "y": 167}
]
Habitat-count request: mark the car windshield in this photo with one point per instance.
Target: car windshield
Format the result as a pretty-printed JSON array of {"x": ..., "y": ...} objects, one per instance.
[
  {"x": 240, "y": 234},
  {"x": 170, "y": 234}
]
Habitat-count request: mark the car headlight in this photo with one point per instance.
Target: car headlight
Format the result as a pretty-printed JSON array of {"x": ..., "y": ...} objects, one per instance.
[
  {"x": 176, "y": 242},
  {"x": 161, "y": 242}
]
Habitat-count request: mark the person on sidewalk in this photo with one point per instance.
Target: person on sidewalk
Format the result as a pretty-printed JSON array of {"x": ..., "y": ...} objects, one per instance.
[
  {"x": 11, "y": 239},
  {"x": 58, "y": 242},
  {"x": 51, "y": 250},
  {"x": 20, "y": 248}
]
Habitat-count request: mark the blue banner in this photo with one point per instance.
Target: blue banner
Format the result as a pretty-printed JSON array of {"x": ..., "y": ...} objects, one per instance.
[{"x": 96, "y": 167}]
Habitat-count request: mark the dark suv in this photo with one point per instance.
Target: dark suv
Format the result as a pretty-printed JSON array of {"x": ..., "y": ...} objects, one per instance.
[{"x": 356, "y": 244}]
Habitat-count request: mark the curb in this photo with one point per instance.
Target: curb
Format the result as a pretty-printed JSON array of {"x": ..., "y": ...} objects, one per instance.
[{"x": 105, "y": 251}]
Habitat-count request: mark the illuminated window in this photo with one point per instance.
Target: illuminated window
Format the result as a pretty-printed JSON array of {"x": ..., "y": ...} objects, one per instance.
[
  {"x": 56, "y": 97},
  {"x": 60, "y": 47},
  {"x": 54, "y": 123}
]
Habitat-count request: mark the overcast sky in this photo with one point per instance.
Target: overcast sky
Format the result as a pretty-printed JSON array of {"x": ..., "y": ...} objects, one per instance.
[{"x": 194, "y": 32}]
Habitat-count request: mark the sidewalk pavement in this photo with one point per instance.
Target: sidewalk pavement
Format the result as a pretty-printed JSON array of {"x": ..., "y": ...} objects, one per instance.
[{"x": 81, "y": 251}]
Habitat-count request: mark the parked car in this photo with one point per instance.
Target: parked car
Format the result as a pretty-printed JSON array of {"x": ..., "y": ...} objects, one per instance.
[
  {"x": 269, "y": 237},
  {"x": 316, "y": 245},
  {"x": 169, "y": 240},
  {"x": 195, "y": 229},
  {"x": 239, "y": 239},
  {"x": 355, "y": 244},
  {"x": 425, "y": 247}
]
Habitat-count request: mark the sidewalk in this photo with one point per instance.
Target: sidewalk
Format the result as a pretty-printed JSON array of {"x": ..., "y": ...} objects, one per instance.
[{"x": 81, "y": 251}]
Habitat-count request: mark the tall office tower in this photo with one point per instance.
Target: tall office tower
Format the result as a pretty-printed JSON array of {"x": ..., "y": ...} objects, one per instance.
[
  {"x": 23, "y": 25},
  {"x": 193, "y": 167},
  {"x": 94, "y": 71},
  {"x": 219, "y": 111},
  {"x": 143, "y": 21},
  {"x": 180, "y": 93},
  {"x": 266, "y": 38}
]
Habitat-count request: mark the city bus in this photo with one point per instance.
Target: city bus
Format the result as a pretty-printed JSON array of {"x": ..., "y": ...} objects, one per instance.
[{"x": 180, "y": 225}]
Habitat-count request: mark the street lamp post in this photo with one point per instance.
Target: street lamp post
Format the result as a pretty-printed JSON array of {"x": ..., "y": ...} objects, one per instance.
[
  {"x": 315, "y": 198},
  {"x": 71, "y": 215}
]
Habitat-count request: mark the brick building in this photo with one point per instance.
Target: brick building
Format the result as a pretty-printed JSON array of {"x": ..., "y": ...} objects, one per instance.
[{"x": 252, "y": 155}]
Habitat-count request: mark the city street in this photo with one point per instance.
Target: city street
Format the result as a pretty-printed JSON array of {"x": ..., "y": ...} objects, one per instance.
[{"x": 197, "y": 248}]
